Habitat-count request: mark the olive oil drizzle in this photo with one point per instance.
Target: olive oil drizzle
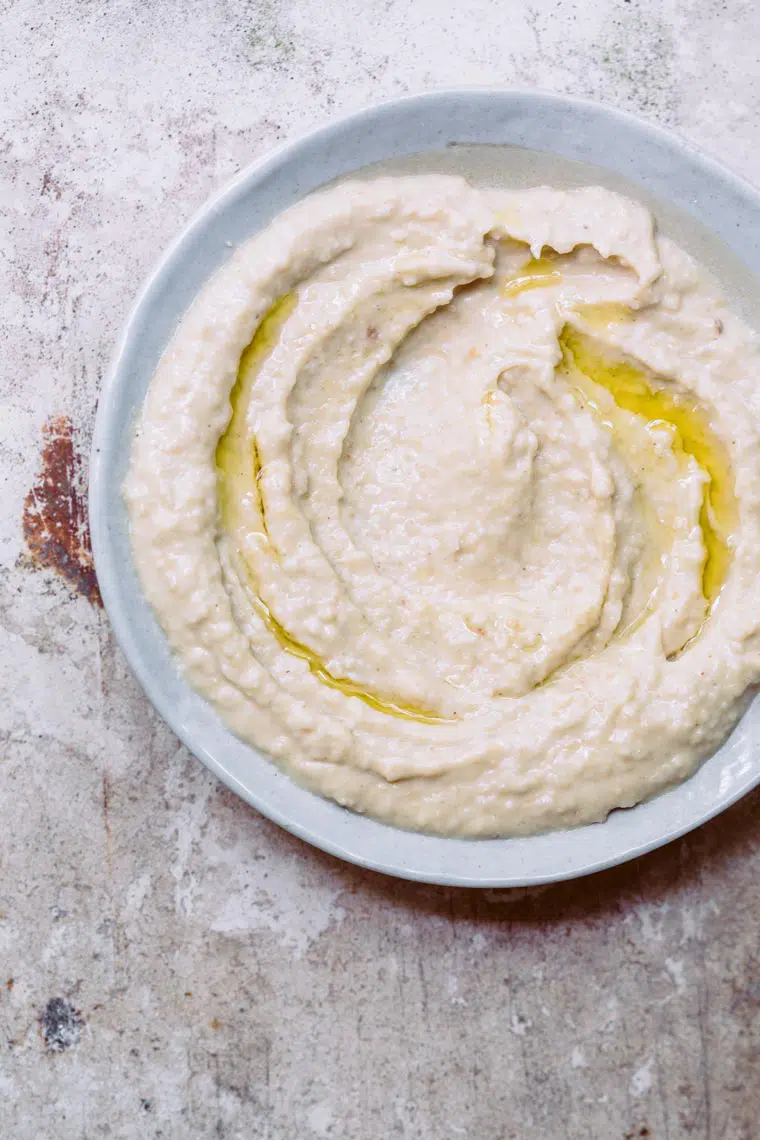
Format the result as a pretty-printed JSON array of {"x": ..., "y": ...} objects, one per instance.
[
  {"x": 342, "y": 684},
  {"x": 537, "y": 273},
  {"x": 692, "y": 435},
  {"x": 238, "y": 464}
]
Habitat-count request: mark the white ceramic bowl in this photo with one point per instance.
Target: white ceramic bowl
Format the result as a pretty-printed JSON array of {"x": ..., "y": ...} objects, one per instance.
[{"x": 698, "y": 201}]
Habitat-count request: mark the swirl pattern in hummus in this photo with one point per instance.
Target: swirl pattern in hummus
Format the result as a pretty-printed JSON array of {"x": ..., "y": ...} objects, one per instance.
[{"x": 448, "y": 499}]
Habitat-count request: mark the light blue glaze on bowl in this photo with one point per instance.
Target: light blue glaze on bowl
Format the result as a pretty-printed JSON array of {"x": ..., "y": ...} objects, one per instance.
[{"x": 572, "y": 129}]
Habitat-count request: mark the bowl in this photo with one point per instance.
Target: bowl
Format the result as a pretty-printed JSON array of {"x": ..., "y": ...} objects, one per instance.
[{"x": 517, "y": 138}]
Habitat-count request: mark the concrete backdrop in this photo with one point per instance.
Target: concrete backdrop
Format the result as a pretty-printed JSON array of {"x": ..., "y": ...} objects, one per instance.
[{"x": 172, "y": 965}]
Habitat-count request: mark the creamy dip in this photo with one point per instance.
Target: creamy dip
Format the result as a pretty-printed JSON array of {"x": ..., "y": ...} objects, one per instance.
[{"x": 449, "y": 500}]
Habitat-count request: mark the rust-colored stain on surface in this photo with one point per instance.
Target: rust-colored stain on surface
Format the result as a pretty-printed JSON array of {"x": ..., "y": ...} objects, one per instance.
[{"x": 56, "y": 527}]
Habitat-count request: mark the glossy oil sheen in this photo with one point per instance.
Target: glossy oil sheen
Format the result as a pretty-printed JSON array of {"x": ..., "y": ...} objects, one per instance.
[
  {"x": 538, "y": 273},
  {"x": 660, "y": 404}
]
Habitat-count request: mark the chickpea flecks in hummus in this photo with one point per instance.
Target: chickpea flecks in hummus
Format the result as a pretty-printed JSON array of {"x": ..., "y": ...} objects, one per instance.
[{"x": 449, "y": 500}]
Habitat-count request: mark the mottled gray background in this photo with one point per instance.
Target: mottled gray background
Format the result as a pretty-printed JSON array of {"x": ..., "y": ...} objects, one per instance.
[{"x": 171, "y": 964}]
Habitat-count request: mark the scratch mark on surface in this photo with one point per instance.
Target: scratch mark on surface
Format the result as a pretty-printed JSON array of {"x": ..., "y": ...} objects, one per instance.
[
  {"x": 107, "y": 819},
  {"x": 705, "y": 1059},
  {"x": 55, "y": 523},
  {"x": 219, "y": 1130}
]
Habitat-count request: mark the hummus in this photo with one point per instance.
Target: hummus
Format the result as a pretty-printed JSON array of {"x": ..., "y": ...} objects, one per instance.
[{"x": 449, "y": 500}]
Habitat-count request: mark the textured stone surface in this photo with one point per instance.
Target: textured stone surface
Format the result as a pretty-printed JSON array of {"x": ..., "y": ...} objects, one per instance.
[{"x": 172, "y": 965}]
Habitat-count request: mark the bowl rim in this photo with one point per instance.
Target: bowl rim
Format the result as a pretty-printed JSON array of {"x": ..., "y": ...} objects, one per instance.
[{"x": 109, "y": 571}]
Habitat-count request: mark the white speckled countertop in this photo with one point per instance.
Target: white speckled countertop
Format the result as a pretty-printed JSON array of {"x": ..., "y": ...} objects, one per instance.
[{"x": 172, "y": 965}]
